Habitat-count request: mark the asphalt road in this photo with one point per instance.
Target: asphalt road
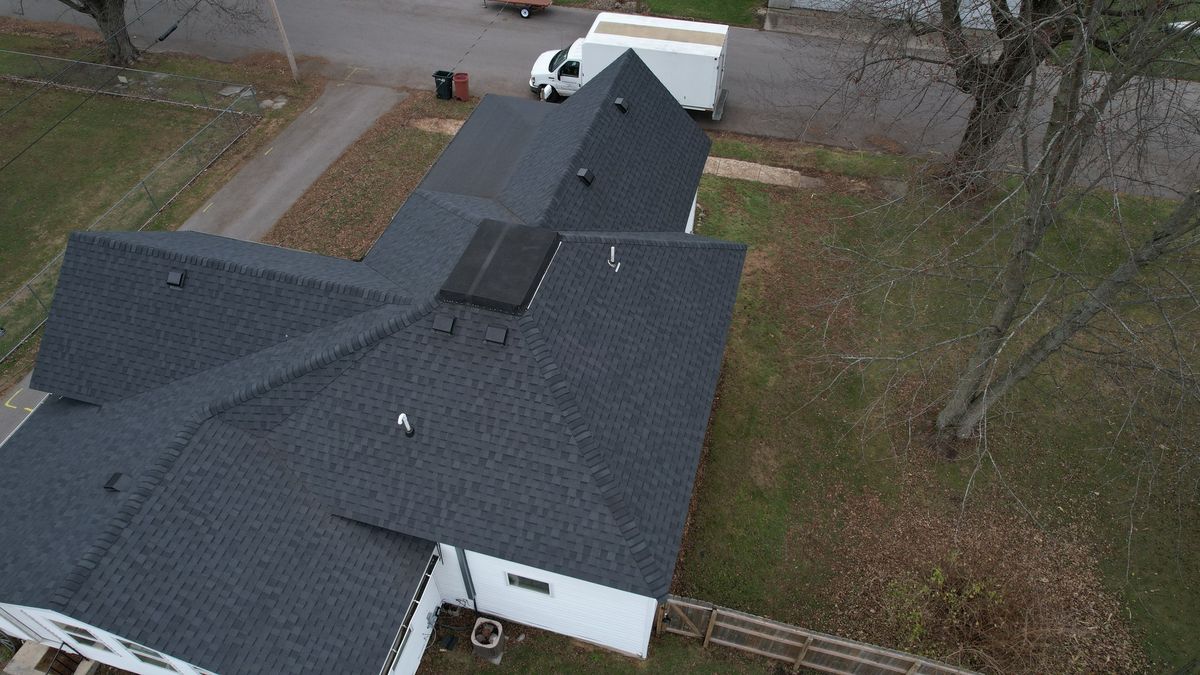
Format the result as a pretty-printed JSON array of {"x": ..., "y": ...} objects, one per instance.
[
  {"x": 781, "y": 84},
  {"x": 17, "y": 404}
]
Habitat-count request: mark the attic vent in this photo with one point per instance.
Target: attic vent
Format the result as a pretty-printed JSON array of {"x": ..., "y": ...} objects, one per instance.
[
  {"x": 586, "y": 176},
  {"x": 175, "y": 278},
  {"x": 621, "y": 104},
  {"x": 118, "y": 482},
  {"x": 501, "y": 267},
  {"x": 496, "y": 334},
  {"x": 443, "y": 323}
]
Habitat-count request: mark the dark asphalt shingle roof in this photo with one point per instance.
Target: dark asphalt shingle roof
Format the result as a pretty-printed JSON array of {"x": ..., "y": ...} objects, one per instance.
[{"x": 255, "y": 408}]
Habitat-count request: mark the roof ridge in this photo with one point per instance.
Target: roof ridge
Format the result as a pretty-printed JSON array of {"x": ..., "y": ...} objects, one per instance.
[
  {"x": 325, "y": 284},
  {"x": 162, "y": 465},
  {"x": 434, "y": 197},
  {"x": 663, "y": 239},
  {"x": 610, "y": 491}
]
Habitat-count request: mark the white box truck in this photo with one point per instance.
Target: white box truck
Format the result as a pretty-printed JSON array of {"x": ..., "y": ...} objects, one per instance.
[{"x": 687, "y": 56}]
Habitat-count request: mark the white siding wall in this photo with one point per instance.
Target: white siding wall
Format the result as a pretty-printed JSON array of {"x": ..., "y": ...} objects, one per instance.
[
  {"x": 113, "y": 652},
  {"x": 422, "y": 628},
  {"x": 605, "y": 616}
]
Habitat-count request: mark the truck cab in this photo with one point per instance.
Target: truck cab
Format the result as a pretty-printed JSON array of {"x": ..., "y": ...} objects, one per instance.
[{"x": 558, "y": 72}]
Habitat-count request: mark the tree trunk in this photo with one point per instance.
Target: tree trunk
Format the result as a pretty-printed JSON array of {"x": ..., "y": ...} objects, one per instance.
[
  {"x": 110, "y": 19},
  {"x": 966, "y": 415}
]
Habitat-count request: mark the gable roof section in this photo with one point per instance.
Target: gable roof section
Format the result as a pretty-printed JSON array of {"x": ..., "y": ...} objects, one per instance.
[
  {"x": 636, "y": 353},
  {"x": 117, "y": 329},
  {"x": 482, "y": 157},
  {"x": 646, "y": 162},
  {"x": 274, "y": 582}
]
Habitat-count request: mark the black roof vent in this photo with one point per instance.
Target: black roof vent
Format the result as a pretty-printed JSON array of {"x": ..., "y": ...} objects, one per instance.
[
  {"x": 175, "y": 278},
  {"x": 586, "y": 176},
  {"x": 501, "y": 267},
  {"x": 118, "y": 482},
  {"x": 443, "y": 323},
  {"x": 497, "y": 334},
  {"x": 621, "y": 104}
]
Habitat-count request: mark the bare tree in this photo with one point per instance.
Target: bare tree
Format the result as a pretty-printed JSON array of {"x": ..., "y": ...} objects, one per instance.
[
  {"x": 1074, "y": 73},
  {"x": 111, "y": 18}
]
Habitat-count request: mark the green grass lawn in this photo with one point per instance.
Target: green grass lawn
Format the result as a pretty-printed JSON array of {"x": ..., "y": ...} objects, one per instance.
[
  {"x": 102, "y": 150},
  {"x": 805, "y": 487}
]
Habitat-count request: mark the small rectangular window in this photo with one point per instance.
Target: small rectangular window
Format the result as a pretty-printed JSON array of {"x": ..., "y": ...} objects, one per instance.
[
  {"x": 528, "y": 584},
  {"x": 146, "y": 655},
  {"x": 81, "y": 635}
]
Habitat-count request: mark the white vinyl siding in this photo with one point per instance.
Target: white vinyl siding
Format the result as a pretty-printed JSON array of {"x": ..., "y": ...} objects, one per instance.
[{"x": 593, "y": 613}]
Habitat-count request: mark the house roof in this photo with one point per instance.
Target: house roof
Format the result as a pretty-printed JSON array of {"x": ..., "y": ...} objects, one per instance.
[{"x": 255, "y": 407}]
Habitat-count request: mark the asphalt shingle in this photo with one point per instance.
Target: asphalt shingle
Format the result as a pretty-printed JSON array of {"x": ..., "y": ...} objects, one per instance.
[{"x": 277, "y": 515}]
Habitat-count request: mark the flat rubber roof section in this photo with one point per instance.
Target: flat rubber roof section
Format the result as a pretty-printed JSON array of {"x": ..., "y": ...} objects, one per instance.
[
  {"x": 661, "y": 33},
  {"x": 501, "y": 267}
]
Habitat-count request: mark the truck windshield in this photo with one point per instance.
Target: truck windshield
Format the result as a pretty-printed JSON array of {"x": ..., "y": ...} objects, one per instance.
[{"x": 557, "y": 60}]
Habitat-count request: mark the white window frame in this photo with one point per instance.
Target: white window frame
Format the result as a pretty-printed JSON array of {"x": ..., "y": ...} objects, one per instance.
[
  {"x": 148, "y": 656},
  {"x": 82, "y": 637},
  {"x": 511, "y": 576}
]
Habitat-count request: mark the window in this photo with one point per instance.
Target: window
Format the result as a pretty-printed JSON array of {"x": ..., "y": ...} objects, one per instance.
[
  {"x": 146, "y": 655},
  {"x": 569, "y": 69},
  {"x": 528, "y": 584},
  {"x": 81, "y": 635},
  {"x": 557, "y": 60}
]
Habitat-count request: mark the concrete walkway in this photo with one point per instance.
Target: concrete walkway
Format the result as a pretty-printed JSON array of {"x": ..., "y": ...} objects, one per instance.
[
  {"x": 17, "y": 404},
  {"x": 716, "y": 166},
  {"x": 267, "y": 186}
]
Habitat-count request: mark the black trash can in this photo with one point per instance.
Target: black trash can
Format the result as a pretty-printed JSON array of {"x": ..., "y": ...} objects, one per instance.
[{"x": 443, "y": 81}]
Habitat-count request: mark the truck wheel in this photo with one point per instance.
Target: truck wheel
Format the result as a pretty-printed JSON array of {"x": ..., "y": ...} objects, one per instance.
[
  {"x": 525, "y": 12},
  {"x": 548, "y": 94}
]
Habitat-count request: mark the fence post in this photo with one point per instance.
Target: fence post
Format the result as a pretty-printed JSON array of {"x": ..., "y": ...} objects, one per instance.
[
  {"x": 658, "y": 618},
  {"x": 712, "y": 621},
  {"x": 148, "y": 195},
  {"x": 803, "y": 652}
]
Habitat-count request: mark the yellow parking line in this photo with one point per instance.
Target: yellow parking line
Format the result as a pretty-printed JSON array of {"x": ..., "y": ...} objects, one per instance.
[
  {"x": 207, "y": 208},
  {"x": 268, "y": 151},
  {"x": 29, "y": 410},
  {"x": 8, "y": 403}
]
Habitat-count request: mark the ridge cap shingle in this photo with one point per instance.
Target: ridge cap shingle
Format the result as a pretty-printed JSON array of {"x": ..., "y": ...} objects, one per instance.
[
  {"x": 107, "y": 240},
  {"x": 161, "y": 466},
  {"x": 610, "y": 491}
]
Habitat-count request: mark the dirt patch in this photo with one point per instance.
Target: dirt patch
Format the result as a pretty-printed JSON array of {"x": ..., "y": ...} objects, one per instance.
[
  {"x": 889, "y": 145},
  {"x": 438, "y": 125},
  {"x": 984, "y": 589}
]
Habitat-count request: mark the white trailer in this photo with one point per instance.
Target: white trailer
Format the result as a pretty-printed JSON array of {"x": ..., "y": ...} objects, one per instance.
[{"x": 687, "y": 56}]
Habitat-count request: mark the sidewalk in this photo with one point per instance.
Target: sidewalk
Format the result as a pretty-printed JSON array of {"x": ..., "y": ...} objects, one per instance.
[{"x": 263, "y": 190}]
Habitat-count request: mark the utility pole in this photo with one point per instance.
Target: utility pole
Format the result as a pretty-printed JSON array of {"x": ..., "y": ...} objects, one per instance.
[{"x": 287, "y": 46}]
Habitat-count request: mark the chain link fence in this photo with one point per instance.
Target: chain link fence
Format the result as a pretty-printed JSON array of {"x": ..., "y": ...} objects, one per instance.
[
  {"x": 41, "y": 71},
  {"x": 235, "y": 108}
]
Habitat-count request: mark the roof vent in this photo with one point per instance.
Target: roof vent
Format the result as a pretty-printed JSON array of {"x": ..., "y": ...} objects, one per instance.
[
  {"x": 118, "y": 482},
  {"x": 496, "y": 334},
  {"x": 586, "y": 176},
  {"x": 621, "y": 104},
  {"x": 402, "y": 420},
  {"x": 175, "y": 278},
  {"x": 443, "y": 323},
  {"x": 501, "y": 267}
]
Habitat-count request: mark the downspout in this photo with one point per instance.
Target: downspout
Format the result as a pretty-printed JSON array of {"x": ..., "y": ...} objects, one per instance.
[{"x": 461, "y": 554}]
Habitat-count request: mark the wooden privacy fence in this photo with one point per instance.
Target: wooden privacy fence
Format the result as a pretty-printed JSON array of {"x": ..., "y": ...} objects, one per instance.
[{"x": 797, "y": 646}]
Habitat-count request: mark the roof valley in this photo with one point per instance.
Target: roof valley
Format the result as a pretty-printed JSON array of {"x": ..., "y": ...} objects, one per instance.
[
  {"x": 605, "y": 482},
  {"x": 162, "y": 466}
]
